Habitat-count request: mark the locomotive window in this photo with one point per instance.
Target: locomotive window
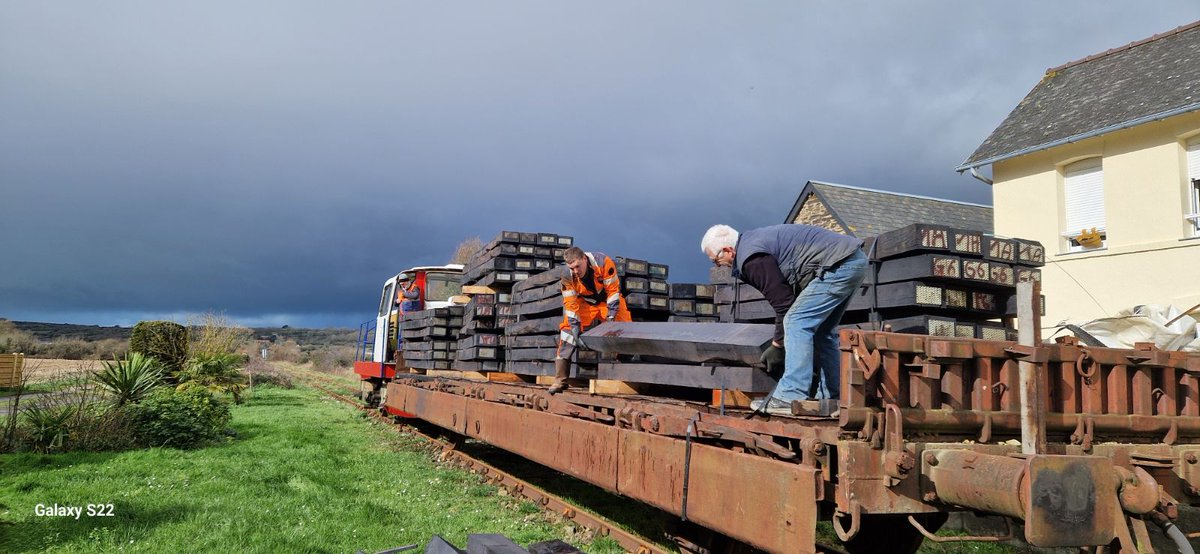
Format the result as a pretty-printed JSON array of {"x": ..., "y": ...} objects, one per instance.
[
  {"x": 385, "y": 304},
  {"x": 439, "y": 287}
]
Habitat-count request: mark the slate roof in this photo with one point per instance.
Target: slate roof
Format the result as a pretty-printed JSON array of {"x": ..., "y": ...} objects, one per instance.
[
  {"x": 1137, "y": 83},
  {"x": 868, "y": 212}
]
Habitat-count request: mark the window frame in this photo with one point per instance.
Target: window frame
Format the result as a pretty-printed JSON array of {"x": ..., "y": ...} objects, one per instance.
[
  {"x": 1191, "y": 152},
  {"x": 1070, "y": 172}
]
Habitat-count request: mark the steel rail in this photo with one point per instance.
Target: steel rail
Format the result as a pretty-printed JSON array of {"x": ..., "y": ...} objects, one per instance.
[{"x": 517, "y": 487}]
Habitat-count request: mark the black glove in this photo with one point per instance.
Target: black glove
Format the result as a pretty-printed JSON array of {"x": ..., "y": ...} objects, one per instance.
[
  {"x": 579, "y": 341},
  {"x": 773, "y": 358}
]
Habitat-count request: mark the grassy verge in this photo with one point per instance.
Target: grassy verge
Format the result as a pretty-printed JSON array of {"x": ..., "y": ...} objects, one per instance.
[{"x": 304, "y": 474}]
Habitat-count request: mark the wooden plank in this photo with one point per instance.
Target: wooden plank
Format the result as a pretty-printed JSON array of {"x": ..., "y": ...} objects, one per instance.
[
  {"x": 502, "y": 377},
  {"x": 476, "y": 289},
  {"x": 600, "y": 386},
  {"x": 455, "y": 374},
  {"x": 1031, "y": 375},
  {"x": 734, "y": 398}
]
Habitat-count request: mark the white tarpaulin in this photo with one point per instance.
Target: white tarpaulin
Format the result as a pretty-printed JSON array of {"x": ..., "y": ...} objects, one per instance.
[{"x": 1146, "y": 324}]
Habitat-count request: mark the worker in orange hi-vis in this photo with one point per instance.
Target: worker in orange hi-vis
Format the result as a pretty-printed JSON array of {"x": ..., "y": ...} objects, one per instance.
[{"x": 591, "y": 294}]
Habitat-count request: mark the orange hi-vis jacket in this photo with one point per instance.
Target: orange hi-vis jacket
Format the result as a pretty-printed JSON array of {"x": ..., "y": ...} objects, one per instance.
[{"x": 592, "y": 299}]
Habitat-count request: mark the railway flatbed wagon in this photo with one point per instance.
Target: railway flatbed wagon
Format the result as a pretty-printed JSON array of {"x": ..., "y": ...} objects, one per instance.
[{"x": 1103, "y": 445}]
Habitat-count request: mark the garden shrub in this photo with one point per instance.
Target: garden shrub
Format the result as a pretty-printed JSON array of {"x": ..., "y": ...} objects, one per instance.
[
  {"x": 165, "y": 341},
  {"x": 217, "y": 372},
  {"x": 182, "y": 418},
  {"x": 130, "y": 379},
  {"x": 48, "y": 425},
  {"x": 100, "y": 427}
]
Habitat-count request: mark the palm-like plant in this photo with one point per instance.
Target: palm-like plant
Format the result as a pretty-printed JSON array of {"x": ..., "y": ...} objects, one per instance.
[
  {"x": 218, "y": 373},
  {"x": 130, "y": 379},
  {"x": 48, "y": 425}
]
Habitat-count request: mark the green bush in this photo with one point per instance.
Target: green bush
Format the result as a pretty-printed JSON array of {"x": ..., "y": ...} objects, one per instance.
[
  {"x": 216, "y": 372},
  {"x": 130, "y": 379},
  {"x": 180, "y": 418},
  {"x": 165, "y": 341}
]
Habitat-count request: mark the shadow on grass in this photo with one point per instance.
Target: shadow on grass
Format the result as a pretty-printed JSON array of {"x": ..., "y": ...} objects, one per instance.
[{"x": 129, "y": 522}]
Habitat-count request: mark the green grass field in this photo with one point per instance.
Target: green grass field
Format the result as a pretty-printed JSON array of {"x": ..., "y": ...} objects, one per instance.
[{"x": 305, "y": 474}]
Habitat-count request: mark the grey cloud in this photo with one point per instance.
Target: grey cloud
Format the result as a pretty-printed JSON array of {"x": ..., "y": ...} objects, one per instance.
[{"x": 280, "y": 159}]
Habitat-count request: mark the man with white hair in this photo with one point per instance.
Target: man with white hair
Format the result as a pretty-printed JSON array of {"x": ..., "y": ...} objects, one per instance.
[{"x": 808, "y": 275}]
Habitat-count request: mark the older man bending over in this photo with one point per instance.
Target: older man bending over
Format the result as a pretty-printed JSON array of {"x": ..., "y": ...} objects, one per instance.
[{"x": 808, "y": 275}]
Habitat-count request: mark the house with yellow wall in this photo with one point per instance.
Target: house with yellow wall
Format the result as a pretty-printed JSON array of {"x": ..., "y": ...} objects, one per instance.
[{"x": 1100, "y": 162}]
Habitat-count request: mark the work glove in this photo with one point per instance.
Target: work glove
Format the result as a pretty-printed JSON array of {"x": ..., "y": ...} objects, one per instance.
[
  {"x": 773, "y": 358},
  {"x": 579, "y": 341}
]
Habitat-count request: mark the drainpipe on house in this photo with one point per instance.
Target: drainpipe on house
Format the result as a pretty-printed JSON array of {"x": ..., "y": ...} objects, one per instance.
[{"x": 976, "y": 174}]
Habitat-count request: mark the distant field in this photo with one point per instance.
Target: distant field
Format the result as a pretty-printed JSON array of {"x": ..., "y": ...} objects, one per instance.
[
  {"x": 46, "y": 332},
  {"x": 40, "y": 370}
]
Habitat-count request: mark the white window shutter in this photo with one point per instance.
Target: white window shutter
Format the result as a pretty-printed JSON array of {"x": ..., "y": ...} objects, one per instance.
[
  {"x": 1193, "y": 159},
  {"x": 1084, "y": 194}
]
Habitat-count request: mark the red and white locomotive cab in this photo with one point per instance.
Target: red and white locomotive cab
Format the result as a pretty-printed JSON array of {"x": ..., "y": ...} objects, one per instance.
[{"x": 435, "y": 286}]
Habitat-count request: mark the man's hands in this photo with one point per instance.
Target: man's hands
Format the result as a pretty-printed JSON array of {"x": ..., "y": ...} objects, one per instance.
[
  {"x": 578, "y": 340},
  {"x": 773, "y": 358}
]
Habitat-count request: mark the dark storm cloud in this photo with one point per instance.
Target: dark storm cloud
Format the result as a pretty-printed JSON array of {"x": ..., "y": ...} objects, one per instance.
[{"x": 279, "y": 160}]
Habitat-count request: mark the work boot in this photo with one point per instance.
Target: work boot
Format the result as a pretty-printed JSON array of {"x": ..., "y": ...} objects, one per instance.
[{"x": 562, "y": 370}]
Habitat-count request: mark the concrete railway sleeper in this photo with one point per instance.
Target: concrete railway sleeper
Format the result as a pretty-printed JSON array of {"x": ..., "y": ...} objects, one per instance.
[{"x": 765, "y": 481}]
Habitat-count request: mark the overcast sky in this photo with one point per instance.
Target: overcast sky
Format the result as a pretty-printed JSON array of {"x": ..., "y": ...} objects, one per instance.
[{"x": 278, "y": 160}]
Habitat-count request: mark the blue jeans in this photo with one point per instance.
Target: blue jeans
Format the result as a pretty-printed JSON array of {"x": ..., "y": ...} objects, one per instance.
[{"x": 810, "y": 333}]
